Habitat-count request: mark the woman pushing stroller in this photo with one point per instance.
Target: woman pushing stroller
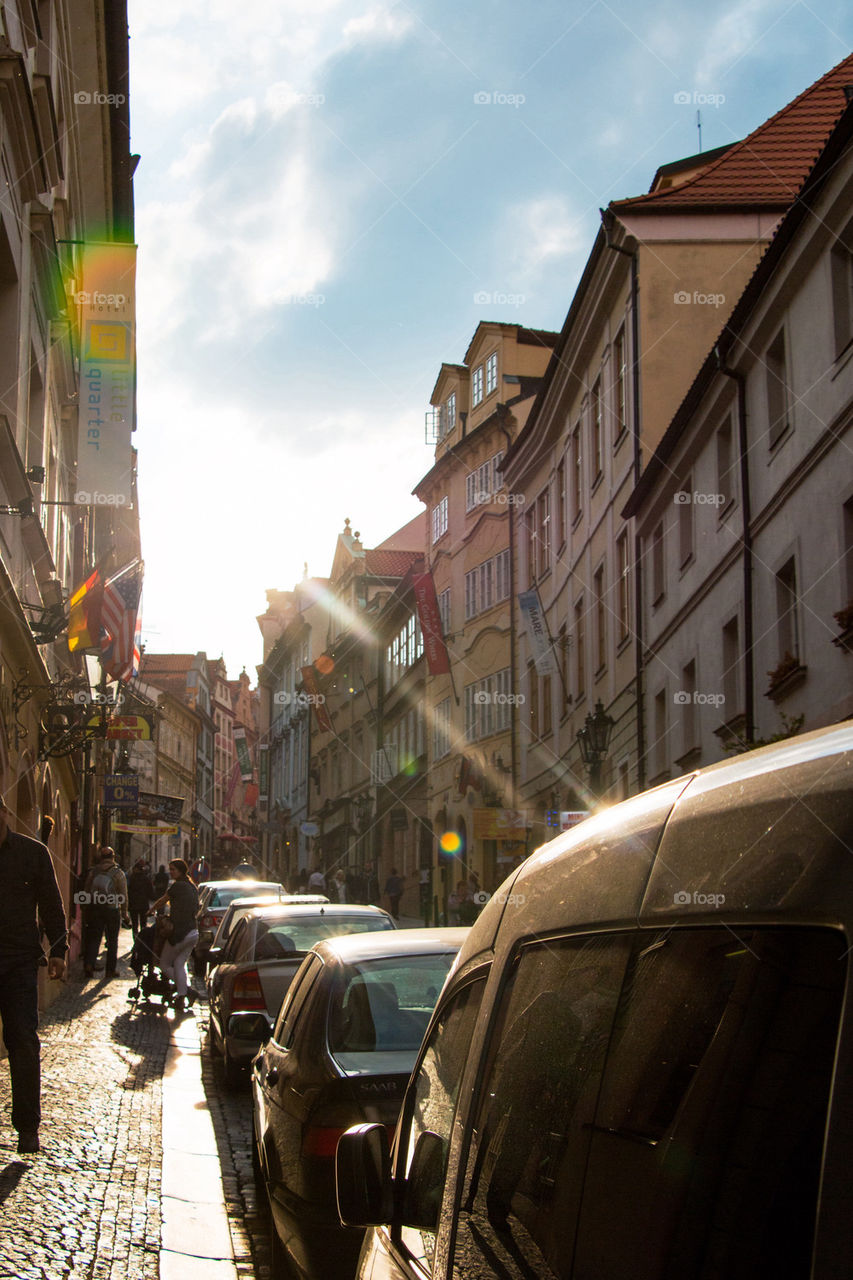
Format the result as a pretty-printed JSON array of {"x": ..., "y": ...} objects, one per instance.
[{"x": 182, "y": 897}]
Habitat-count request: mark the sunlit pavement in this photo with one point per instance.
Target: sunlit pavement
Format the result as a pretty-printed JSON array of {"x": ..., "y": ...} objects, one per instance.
[{"x": 128, "y": 1184}]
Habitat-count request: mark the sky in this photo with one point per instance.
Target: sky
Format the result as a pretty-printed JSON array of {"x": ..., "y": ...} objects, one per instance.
[{"x": 332, "y": 194}]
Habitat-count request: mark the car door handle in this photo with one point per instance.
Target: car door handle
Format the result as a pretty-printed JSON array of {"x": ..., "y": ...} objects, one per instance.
[{"x": 272, "y": 1075}]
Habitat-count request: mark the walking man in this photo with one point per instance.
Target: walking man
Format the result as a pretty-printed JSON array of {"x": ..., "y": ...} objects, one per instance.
[
  {"x": 28, "y": 893},
  {"x": 105, "y": 902}
]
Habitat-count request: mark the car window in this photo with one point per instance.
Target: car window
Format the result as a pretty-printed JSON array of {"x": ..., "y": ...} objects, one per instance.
[
  {"x": 430, "y": 1113},
  {"x": 300, "y": 933},
  {"x": 706, "y": 1155},
  {"x": 536, "y": 1107},
  {"x": 385, "y": 1005},
  {"x": 235, "y": 942},
  {"x": 294, "y": 1001}
]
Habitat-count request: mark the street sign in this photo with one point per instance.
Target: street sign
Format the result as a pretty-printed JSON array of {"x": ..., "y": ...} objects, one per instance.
[
  {"x": 126, "y": 728},
  {"x": 121, "y": 791}
]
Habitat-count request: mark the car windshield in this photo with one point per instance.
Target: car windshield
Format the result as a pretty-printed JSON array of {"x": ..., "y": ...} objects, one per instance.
[
  {"x": 277, "y": 939},
  {"x": 383, "y": 1006},
  {"x": 223, "y": 897}
]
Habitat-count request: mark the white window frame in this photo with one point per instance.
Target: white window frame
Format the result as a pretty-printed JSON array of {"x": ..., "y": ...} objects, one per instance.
[
  {"x": 439, "y": 519},
  {"x": 492, "y": 373},
  {"x": 477, "y": 386}
]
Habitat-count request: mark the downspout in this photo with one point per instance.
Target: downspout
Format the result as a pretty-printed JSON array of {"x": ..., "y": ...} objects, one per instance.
[
  {"x": 748, "y": 557},
  {"x": 608, "y": 218},
  {"x": 513, "y": 672}
]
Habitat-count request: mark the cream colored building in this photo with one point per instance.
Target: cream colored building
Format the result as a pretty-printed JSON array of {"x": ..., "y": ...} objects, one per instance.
[
  {"x": 662, "y": 277},
  {"x": 475, "y": 712}
]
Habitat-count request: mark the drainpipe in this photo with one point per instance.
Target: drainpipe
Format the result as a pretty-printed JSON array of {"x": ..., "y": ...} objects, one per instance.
[
  {"x": 608, "y": 219},
  {"x": 513, "y": 672},
  {"x": 746, "y": 538}
]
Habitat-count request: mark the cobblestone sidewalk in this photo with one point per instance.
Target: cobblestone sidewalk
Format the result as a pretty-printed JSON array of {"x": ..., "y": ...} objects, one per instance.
[{"x": 90, "y": 1205}]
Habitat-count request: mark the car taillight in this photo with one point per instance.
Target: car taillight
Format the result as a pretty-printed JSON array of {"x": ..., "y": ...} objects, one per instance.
[
  {"x": 248, "y": 992},
  {"x": 321, "y": 1140},
  {"x": 209, "y": 921}
]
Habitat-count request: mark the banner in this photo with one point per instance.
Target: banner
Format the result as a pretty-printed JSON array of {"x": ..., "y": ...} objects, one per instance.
[
  {"x": 232, "y": 785},
  {"x": 142, "y": 830},
  {"x": 500, "y": 824},
  {"x": 537, "y": 633},
  {"x": 107, "y": 302},
  {"x": 241, "y": 747},
  {"x": 121, "y": 791},
  {"x": 264, "y": 772},
  {"x": 152, "y": 805},
  {"x": 438, "y": 662},
  {"x": 309, "y": 680}
]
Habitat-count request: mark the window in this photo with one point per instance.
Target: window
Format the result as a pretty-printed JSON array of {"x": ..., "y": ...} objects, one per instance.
[
  {"x": 535, "y": 1110},
  {"x": 742, "y": 1029},
  {"x": 477, "y": 385},
  {"x": 597, "y": 439},
  {"x": 776, "y": 377},
  {"x": 658, "y": 568},
  {"x": 404, "y": 650},
  {"x": 661, "y": 729},
  {"x": 731, "y": 669},
  {"x": 623, "y": 599},
  {"x": 530, "y": 529},
  {"x": 685, "y": 523},
  {"x": 441, "y": 729},
  {"x": 486, "y": 585},
  {"x": 687, "y": 701},
  {"x": 481, "y": 483},
  {"x": 427, "y": 1129},
  {"x": 547, "y": 694},
  {"x": 563, "y": 649},
  {"x": 450, "y": 411},
  {"x": 600, "y": 619},
  {"x": 444, "y": 611},
  {"x": 543, "y": 533},
  {"x": 725, "y": 473},
  {"x": 492, "y": 373},
  {"x": 487, "y": 705},
  {"x": 577, "y": 469},
  {"x": 841, "y": 267},
  {"x": 439, "y": 520},
  {"x": 620, "y": 373},
  {"x": 580, "y": 650},
  {"x": 501, "y": 561},
  {"x": 787, "y": 625},
  {"x": 561, "y": 502},
  {"x": 533, "y": 701}
]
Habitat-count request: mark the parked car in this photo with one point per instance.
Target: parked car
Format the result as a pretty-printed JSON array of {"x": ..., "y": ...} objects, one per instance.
[
  {"x": 240, "y": 907},
  {"x": 267, "y": 946},
  {"x": 343, "y": 1048},
  {"x": 214, "y": 901},
  {"x": 642, "y": 1064}
]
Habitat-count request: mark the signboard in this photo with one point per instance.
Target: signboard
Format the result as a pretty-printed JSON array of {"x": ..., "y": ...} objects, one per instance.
[
  {"x": 309, "y": 829},
  {"x": 127, "y": 728},
  {"x": 264, "y": 772},
  {"x": 537, "y": 633},
  {"x": 565, "y": 819},
  {"x": 241, "y": 747},
  {"x": 107, "y": 302},
  {"x": 438, "y": 662},
  {"x": 121, "y": 791},
  {"x": 141, "y": 829},
  {"x": 500, "y": 824},
  {"x": 168, "y": 808}
]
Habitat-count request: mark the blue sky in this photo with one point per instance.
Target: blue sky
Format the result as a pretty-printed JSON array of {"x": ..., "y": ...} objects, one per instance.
[{"x": 326, "y": 188}]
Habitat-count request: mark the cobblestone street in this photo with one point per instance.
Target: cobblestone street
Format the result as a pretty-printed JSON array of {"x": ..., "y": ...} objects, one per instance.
[{"x": 100, "y": 1200}]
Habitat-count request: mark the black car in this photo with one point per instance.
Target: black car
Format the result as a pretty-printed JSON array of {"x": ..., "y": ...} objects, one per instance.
[{"x": 343, "y": 1046}]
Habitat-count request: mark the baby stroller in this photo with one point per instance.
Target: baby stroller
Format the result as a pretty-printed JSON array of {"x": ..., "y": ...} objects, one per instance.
[{"x": 153, "y": 990}]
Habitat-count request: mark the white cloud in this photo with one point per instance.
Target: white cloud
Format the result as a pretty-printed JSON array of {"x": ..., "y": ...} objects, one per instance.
[{"x": 540, "y": 232}]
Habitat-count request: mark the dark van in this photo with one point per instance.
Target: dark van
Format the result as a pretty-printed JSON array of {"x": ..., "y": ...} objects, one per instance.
[{"x": 641, "y": 1066}]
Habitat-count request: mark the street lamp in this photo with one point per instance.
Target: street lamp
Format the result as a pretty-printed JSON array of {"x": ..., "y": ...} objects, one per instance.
[{"x": 594, "y": 741}]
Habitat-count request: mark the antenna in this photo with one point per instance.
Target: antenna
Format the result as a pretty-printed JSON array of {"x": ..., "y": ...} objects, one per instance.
[{"x": 699, "y": 127}]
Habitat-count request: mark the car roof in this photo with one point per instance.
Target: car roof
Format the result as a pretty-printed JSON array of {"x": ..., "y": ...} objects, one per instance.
[
  {"x": 757, "y": 838},
  {"x": 235, "y": 884},
  {"x": 292, "y": 911},
  {"x": 351, "y": 948},
  {"x": 286, "y": 899}
]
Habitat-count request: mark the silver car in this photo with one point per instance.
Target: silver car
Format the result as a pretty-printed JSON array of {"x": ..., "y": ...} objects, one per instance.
[{"x": 264, "y": 951}]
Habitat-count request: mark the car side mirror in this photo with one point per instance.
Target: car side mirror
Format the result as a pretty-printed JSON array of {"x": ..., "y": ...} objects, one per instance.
[
  {"x": 214, "y": 957},
  {"x": 425, "y": 1183},
  {"x": 363, "y": 1176}
]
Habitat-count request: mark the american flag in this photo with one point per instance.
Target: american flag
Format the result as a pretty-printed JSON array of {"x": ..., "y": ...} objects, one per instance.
[{"x": 121, "y": 622}]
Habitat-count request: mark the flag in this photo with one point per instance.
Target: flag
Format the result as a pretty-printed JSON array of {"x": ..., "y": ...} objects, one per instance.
[
  {"x": 121, "y": 623},
  {"x": 84, "y": 614}
]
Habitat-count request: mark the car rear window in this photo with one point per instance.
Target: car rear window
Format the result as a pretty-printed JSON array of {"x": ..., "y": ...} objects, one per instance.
[
  {"x": 224, "y": 897},
  {"x": 300, "y": 934},
  {"x": 384, "y": 1005}
]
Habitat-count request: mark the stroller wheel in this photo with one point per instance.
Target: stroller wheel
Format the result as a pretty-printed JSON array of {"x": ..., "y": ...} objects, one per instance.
[{"x": 133, "y": 993}]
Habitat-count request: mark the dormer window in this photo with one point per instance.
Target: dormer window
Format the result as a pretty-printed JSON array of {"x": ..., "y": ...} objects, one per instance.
[
  {"x": 477, "y": 386},
  {"x": 492, "y": 373}
]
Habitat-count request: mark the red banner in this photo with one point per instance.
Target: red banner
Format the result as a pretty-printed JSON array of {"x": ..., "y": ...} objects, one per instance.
[
  {"x": 435, "y": 649},
  {"x": 317, "y": 699}
]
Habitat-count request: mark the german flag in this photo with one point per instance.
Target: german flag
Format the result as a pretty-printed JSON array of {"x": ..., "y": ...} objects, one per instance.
[{"x": 84, "y": 615}]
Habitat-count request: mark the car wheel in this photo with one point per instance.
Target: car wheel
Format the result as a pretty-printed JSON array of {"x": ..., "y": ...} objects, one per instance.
[{"x": 234, "y": 1074}]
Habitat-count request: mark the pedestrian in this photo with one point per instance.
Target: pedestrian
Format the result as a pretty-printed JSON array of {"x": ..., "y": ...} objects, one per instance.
[
  {"x": 28, "y": 892},
  {"x": 47, "y": 826},
  {"x": 182, "y": 897},
  {"x": 104, "y": 900},
  {"x": 161, "y": 881},
  {"x": 394, "y": 886},
  {"x": 339, "y": 885},
  {"x": 371, "y": 885},
  {"x": 140, "y": 891},
  {"x": 317, "y": 881}
]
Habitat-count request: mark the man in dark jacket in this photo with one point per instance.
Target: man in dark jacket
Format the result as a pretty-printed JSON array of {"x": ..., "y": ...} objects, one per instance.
[{"x": 28, "y": 893}]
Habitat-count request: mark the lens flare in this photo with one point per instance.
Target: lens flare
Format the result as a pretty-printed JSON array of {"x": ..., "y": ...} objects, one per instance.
[{"x": 450, "y": 842}]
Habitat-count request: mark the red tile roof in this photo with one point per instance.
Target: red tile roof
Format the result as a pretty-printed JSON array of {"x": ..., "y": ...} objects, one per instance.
[
  {"x": 165, "y": 663},
  {"x": 767, "y": 169},
  {"x": 390, "y": 564}
]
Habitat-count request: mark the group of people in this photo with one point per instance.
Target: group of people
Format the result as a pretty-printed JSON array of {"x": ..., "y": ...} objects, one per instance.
[{"x": 354, "y": 886}]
